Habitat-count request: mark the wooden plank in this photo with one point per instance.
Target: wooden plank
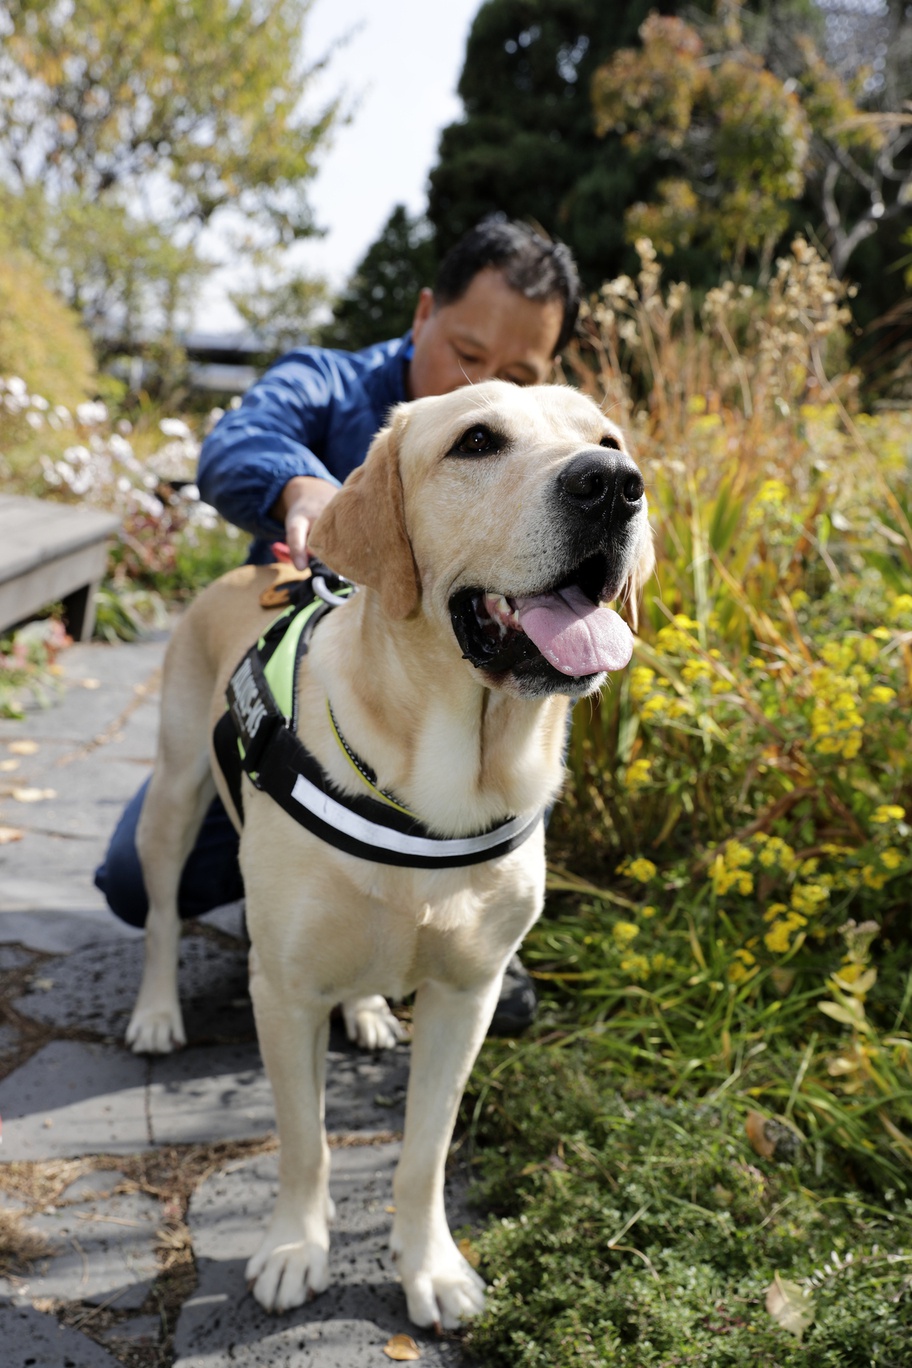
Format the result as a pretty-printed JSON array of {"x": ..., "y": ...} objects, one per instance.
[
  {"x": 33, "y": 531},
  {"x": 51, "y": 552}
]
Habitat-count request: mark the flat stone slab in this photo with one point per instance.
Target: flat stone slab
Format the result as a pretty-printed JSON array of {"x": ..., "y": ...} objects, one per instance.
[
  {"x": 77, "y": 1097},
  {"x": 102, "y": 1243},
  {"x": 349, "y": 1324},
  {"x": 54, "y": 932},
  {"x": 94, "y": 989},
  {"x": 197, "y": 1096},
  {"x": 88, "y": 753},
  {"x": 222, "y": 1093},
  {"x": 73, "y": 1098},
  {"x": 33, "y": 1340}
]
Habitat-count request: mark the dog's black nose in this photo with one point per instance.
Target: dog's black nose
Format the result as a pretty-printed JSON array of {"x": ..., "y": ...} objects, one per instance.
[{"x": 602, "y": 483}]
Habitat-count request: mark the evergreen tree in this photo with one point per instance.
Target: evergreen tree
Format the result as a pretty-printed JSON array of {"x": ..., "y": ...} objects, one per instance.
[
  {"x": 379, "y": 300},
  {"x": 527, "y": 145}
]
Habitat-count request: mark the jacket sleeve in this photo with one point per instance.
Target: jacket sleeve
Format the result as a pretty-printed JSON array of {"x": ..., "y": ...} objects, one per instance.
[{"x": 254, "y": 450}]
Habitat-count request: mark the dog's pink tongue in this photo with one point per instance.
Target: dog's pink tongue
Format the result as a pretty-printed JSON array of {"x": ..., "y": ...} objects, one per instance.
[{"x": 573, "y": 633}]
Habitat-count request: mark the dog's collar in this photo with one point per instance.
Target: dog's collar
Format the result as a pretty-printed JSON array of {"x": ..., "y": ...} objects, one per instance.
[
  {"x": 257, "y": 735},
  {"x": 362, "y": 769}
]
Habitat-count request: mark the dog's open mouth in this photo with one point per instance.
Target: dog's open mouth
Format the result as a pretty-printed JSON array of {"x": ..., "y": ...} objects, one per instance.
[{"x": 566, "y": 625}]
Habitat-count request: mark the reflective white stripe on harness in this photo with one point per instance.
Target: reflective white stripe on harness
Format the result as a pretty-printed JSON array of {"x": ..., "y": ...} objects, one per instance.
[{"x": 342, "y": 819}]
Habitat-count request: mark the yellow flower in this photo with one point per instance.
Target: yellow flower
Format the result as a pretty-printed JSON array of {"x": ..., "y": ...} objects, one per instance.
[
  {"x": 901, "y": 604},
  {"x": 774, "y": 910},
  {"x": 641, "y": 679},
  {"x": 777, "y": 852},
  {"x": 695, "y": 670},
  {"x": 882, "y": 694},
  {"x": 624, "y": 932},
  {"x": 891, "y": 857},
  {"x": 653, "y": 708},
  {"x": 647, "y": 912},
  {"x": 872, "y": 878},
  {"x": 638, "y": 773},
  {"x": 777, "y": 938},
  {"x": 888, "y": 812},
  {"x": 636, "y": 967},
  {"x": 662, "y": 963},
  {"x": 809, "y": 898},
  {"x": 737, "y": 856},
  {"x": 744, "y": 966},
  {"x": 772, "y": 492},
  {"x": 642, "y": 870}
]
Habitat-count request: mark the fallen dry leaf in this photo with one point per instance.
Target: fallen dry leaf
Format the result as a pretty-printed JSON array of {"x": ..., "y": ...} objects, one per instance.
[
  {"x": 790, "y": 1306},
  {"x": 9, "y": 834},
  {"x": 90, "y": 683},
  {"x": 772, "y": 1139},
  {"x": 402, "y": 1348},
  {"x": 32, "y": 795},
  {"x": 6, "y": 766},
  {"x": 469, "y": 1252},
  {"x": 24, "y": 747}
]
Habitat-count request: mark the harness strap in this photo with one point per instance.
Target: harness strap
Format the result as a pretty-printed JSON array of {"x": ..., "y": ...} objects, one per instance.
[{"x": 257, "y": 735}]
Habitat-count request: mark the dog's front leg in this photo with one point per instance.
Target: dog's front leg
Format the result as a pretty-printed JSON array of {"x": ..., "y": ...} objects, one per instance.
[
  {"x": 441, "y": 1287},
  {"x": 292, "y": 1263}
]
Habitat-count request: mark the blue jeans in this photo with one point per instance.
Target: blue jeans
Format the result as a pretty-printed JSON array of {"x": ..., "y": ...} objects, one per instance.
[{"x": 211, "y": 877}]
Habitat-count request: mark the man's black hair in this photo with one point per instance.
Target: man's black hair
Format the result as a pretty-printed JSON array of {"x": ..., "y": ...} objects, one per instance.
[{"x": 530, "y": 263}]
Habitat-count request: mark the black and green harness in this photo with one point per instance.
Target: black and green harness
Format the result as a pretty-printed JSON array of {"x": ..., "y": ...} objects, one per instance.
[{"x": 257, "y": 736}]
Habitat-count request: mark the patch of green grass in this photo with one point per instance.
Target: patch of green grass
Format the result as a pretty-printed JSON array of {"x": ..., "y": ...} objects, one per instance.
[{"x": 636, "y": 1230}]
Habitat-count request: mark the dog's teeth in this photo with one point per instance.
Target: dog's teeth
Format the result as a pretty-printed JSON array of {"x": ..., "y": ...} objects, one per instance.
[{"x": 499, "y": 609}]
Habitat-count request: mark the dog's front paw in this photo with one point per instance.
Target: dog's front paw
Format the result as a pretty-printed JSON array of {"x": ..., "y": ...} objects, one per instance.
[
  {"x": 288, "y": 1270},
  {"x": 442, "y": 1290},
  {"x": 370, "y": 1023},
  {"x": 156, "y": 1030}
]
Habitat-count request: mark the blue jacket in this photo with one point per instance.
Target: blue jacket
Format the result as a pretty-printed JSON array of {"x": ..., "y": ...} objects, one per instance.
[{"x": 315, "y": 412}]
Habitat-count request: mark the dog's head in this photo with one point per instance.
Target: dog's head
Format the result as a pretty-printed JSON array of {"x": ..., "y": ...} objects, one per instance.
[{"x": 506, "y": 516}]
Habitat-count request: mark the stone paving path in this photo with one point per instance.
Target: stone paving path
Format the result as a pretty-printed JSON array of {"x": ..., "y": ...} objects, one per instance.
[{"x": 133, "y": 1190}]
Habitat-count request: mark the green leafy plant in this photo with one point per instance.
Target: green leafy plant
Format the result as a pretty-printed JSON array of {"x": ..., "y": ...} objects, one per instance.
[{"x": 726, "y": 936}]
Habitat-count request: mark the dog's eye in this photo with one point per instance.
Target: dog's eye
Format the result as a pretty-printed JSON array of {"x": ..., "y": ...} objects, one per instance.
[
  {"x": 611, "y": 443},
  {"x": 477, "y": 441}
]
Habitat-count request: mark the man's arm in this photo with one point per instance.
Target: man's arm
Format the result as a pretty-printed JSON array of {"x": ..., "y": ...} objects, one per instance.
[
  {"x": 297, "y": 507},
  {"x": 252, "y": 464}
]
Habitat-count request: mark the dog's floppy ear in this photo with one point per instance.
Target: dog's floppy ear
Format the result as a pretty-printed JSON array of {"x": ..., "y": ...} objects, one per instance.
[{"x": 361, "y": 533}]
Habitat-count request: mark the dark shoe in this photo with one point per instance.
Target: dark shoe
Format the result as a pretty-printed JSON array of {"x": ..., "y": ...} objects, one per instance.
[{"x": 517, "y": 1005}]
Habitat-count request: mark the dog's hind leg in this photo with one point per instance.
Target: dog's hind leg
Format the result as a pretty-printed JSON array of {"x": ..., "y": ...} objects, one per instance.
[
  {"x": 176, "y": 802},
  {"x": 370, "y": 1023},
  {"x": 292, "y": 1263},
  {"x": 441, "y": 1287}
]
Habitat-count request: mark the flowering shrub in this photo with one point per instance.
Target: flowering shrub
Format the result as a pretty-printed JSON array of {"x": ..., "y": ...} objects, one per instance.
[
  {"x": 741, "y": 798},
  {"x": 169, "y": 541}
]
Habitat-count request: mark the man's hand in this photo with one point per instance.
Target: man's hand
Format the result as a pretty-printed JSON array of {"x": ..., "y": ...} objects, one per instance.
[{"x": 298, "y": 506}]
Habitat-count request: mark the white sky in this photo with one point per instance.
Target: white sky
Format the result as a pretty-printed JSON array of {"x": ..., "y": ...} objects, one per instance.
[{"x": 399, "y": 69}]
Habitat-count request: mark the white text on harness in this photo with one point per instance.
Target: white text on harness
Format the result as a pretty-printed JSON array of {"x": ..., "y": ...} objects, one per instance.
[{"x": 247, "y": 698}]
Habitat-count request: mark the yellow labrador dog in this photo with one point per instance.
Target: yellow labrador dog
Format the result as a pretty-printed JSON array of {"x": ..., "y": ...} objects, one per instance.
[{"x": 485, "y": 531}]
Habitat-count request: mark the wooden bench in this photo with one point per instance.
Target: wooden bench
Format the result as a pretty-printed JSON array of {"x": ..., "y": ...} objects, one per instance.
[{"x": 51, "y": 552}]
